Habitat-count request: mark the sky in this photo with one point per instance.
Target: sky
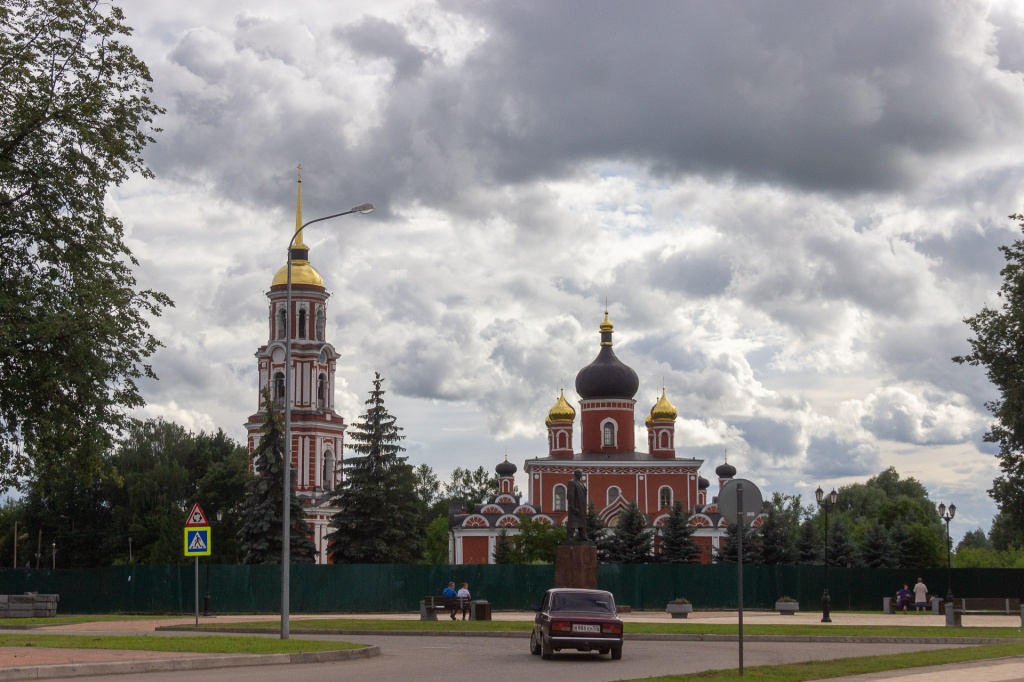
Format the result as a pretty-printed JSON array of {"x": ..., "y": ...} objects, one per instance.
[{"x": 787, "y": 207}]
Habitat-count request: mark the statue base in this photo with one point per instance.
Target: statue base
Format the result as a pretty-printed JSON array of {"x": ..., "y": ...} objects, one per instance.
[{"x": 576, "y": 565}]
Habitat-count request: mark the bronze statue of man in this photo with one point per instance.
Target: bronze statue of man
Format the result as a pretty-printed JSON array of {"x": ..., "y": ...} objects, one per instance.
[{"x": 576, "y": 527}]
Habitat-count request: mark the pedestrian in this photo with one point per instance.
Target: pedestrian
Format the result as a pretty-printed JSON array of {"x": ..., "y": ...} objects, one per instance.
[
  {"x": 451, "y": 599},
  {"x": 463, "y": 595},
  {"x": 904, "y": 597},
  {"x": 920, "y": 596}
]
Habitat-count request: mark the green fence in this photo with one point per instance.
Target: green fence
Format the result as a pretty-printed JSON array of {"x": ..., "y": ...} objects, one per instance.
[{"x": 370, "y": 588}]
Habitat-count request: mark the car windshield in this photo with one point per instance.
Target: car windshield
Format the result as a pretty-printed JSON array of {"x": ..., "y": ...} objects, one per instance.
[{"x": 581, "y": 601}]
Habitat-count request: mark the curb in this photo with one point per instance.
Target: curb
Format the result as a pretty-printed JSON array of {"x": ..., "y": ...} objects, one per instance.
[{"x": 40, "y": 672}]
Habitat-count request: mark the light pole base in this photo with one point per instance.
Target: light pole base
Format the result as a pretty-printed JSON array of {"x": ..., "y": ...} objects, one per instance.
[{"x": 826, "y": 603}]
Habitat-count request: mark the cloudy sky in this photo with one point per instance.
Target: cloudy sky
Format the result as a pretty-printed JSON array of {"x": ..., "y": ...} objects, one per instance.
[{"x": 789, "y": 207}]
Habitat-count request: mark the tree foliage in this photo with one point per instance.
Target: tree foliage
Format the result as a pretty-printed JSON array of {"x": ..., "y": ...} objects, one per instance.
[
  {"x": 631, "y": 541},
  {"x": 378, "y": 512},
  {"x": 261, "y": 534},
  {"x": 998, "y": 346},
  {"x": 677, "y": 545},
  {"x": 471, "y": 486},
  {"x": 75, "y": 115}
]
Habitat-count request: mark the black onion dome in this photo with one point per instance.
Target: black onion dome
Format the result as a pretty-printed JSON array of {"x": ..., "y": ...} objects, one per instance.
[
  {"x": 607, "y": 376},
  {"x": 725, "y": 470},
  {"x": 702, "y": 483},
  {"x": 506, "y": 468}
]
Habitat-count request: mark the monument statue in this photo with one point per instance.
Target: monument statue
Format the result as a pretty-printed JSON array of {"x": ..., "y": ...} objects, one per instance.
[{"x": 576, "y": 527}]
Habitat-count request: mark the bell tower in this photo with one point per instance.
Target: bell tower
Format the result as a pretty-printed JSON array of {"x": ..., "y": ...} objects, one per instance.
[{"x": 317, "y": 431}]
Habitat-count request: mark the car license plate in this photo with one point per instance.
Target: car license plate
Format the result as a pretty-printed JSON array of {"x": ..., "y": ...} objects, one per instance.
[{"x": 584, "y": 627}]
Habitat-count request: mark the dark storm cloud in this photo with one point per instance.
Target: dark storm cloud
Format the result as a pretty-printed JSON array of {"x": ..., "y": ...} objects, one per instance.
[
  {"x": 376, "y": 37},
  {"x": 776, "y": 439}
]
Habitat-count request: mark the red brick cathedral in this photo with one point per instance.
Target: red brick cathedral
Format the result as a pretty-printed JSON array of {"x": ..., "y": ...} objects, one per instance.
[
  {"x": 614, "y": 471},
  {"x": 318, "y": 432}
]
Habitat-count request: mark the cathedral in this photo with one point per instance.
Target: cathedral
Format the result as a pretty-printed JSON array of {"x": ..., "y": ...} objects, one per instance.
[
  {"x": 317, "y": 431},
  {"x": 615, "y": 472}
]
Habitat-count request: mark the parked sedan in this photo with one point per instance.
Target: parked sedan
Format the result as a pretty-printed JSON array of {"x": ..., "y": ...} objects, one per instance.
[{"x": 584, "y": 620}]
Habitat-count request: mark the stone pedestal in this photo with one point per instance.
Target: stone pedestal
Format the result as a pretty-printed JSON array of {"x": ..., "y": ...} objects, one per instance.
[{"x": 576, "y": 565}]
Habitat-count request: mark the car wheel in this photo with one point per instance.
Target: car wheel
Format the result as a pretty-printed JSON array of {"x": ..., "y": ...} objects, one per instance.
[
  {"x": 617, "y": 653},
  {"x": 545, "y": 649},
  {"x": 534, "y": 644}
]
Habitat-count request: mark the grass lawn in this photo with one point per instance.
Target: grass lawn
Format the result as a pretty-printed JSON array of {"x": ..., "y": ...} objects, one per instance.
[
  {"x": 349, "y": 624},
  {"x": 69, "y": 620},
  {"x": 818, "y": 670},
  {"x": 200, "y": 644}
]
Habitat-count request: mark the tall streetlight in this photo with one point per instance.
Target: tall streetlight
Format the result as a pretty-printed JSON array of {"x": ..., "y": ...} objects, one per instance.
[
  {"x": 826, "y": 504},
  {"x": 947, "y": 516},
  {"x": 206, "y": 598},
  {"x": 286, "y": 512}
]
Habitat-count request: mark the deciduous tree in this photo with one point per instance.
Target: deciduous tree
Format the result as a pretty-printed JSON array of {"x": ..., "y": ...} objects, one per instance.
[{"x": 75, "y": 115}]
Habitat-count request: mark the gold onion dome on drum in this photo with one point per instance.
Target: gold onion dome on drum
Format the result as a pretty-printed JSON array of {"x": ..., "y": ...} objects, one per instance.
[
  {"x": 663, "y": 410},
  {"x": 562, "y": 411},
  {"x": 302, "y": 271}
]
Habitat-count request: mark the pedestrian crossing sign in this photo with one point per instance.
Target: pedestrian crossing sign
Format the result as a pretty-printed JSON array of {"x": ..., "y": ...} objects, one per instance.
[{"x": 197, "y": 541}]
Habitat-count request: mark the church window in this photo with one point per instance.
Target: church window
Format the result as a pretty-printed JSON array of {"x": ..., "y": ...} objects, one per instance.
[
  {"x": 328, "y": 475},
  {"x": 302, "y": 323},
  {"x": 613, "y": 494},
  {"x": 608, "y": 429},
  {"x": 664, "y": 440},
  {"x": 281, "y": 321},
  {"x": 321, "y": 323},
  {"x": 559, "y": 498},
  {"x": 321, "y": 392},
  {"x": 279, "y": 389},
  {"x": 664, "y": 497}
]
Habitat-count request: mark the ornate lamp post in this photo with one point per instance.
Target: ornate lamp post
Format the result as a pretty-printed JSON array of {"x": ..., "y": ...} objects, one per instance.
[
  {"x": 825, "y": 503},
  {"x": 947, "y": 516},
  {"x": 287, "y": 468}
]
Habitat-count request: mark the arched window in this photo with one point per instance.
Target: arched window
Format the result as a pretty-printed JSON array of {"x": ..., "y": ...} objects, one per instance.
[
  {"x": 321, "y": 392},
  {"x": 559, "y": 498},
  {"x": 613, "y": 494},
  {"x": 664, "y": 497},
  {"x": 664, "y": 440},
  {"x": 279, "y": 389},
  {"x": 609, "y": 434},
  {"x": 302, "y": 323},
  {"x": 328, "y": 475},
  {"x": 321, "y": 323},
  {"x": 281, "y": 321}
]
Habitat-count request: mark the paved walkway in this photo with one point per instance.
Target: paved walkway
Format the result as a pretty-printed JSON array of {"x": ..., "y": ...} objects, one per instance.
[{"x": 38, "y": 663}]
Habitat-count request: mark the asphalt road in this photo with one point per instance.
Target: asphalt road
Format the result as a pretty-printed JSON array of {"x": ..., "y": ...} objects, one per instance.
[{"x": 442, "y": 659}]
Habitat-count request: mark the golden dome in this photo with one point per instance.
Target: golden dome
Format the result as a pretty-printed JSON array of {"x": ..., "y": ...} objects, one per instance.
[
  {"x": 562, "y": 411},
  {"x": 663, "y": 410},
  {"x": 302, "y": 273},
  {"x": 650, "y": 420}
]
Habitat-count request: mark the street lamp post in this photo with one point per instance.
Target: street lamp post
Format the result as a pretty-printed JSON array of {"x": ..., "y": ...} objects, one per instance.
[
  {"x": 287, "y": 468},
  {"x": 947, "y": 516},
  {"x": 825, "y": 503}
]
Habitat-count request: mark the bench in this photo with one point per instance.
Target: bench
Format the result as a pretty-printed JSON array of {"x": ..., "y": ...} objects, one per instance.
[
  {"x": 987, "y": 605},
  {"x": 429, "y": 606}
]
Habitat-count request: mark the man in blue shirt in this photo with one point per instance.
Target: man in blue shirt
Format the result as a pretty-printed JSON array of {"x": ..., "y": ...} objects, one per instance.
[{"x": 450, "y": 598}]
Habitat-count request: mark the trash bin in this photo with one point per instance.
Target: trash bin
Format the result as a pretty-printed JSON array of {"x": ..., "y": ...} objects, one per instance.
[
  {"x": 887, "y": 605},
  {"x": 479, "y": 609},
  {"x": 936, "y": 606},
  {"x": 953, "y": 616}
]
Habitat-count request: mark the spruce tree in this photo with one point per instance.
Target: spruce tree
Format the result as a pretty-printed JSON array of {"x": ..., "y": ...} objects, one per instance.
[
  {"x": 677, "y": 545},
  {"x": 378, "y": 512},
  {"x": 729, "y": 552},
  {"x": 877, "y": 549},
  {"x": 631, "y": 541},
  {"x": 808, "y": 544},
  {"x": 776, "y": 543},
  {"x": 260, "y": 534},
  {"x": 598, "y": 534},
  {"x": 842, "y": 551}
]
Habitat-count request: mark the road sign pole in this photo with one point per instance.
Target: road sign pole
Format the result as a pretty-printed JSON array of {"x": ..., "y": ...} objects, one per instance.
[
  {"x": 197, "y": 591},
  {"x": 740, "y": 525}
]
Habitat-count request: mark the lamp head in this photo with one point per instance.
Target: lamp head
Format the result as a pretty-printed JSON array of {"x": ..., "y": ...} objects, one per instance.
[
  {"x": 832, "y": 496},
  {"x": 363, "y": 208},
  {"x": 952, "y": 510},
  {"x": 942, "y": 509},
  {"x": 818, "y": 494}
]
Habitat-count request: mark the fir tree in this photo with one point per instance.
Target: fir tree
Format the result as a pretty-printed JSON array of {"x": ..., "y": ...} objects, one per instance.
[
  {"x": 729, "y": 552},
  {"x": 842, "y": 551},
  {"x": 631, "y": 541},
  {"x": 378, "y": 511},
  {"x": 776, "y": 543},
  {"x": 877, "y": 549},
  {"x": 505, "y": 549},
  {"x": 598, "y": 533},
  {"x": 260, "y": 534},
  {"x": 677, "y": 545},
  {"x": 808, "y": 547}
]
